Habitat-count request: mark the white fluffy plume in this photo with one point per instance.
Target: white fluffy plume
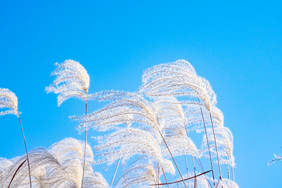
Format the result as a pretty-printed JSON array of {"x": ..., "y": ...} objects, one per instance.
[
  {"x": 72, "y": 80},
  {"x": 8, "y": 102},
  {"x": 177, "y": 79}
]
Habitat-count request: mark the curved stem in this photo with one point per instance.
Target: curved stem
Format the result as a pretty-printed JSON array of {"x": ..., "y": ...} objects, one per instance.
[
  {"x": 115, "y": 173},
  {"x": 233, "y": 174},
  {"x": 172, "y": 158},
  {"x": 164, "y": 177},
  {"x": 16, "y": 173},
  {"x": 208, "y": 144},
  {"x": 186, "y": 161},
  {"x": 29, "y": 172},
  {"x": 228, "y": 171},
  {"x": 185, "y": 178},
  {"x": 198, "y": 161},
  {"x": 195, "y": 174},
  {"x": 215, "y": 147},
  {"x": 85, "y": 144},
  {"x": 158, "y": 173}
]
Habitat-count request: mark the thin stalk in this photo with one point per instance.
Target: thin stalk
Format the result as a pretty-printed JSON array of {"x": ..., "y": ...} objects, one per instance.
[
  {"x": 177, "y": 182},
  {"x": 228, "y": 171},
  {"x": 164, "y": 177},
  {"x": 218, "y": 182},
  {"x": 233, "y": 174},
  {"x": 215, "y": 146},
  {"x": 158, "y": 173},
  {"x": 172, "y": 158},
  {"x": 16, "y": 173},
  {"x": 187, "y": 169},
  {"x": 185, "y": 178},
  {"x": 208, "y": 144},
  {"x": 202, "y": 169},
  {"x": 199, "y": 162},
  {"x": 85, "y": 143},
  {"x": 115, "y": 174},
  {"x": 195, "y": 173},
  {"x": 26, "y": 152},
  {"x": 186, "y": 156}
]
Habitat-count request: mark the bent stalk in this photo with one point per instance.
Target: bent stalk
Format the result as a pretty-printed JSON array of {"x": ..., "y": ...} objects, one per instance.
[
  {"x": 172, "y": 158},
  {"x": 208, "y": 144},
  {"x": 16, "y": 173},
  {"x": 215, "y": 147},
  {"x": 195, "y": 174},
  {"x": 115, "y": 174},
  {"x": 233, "y": 174},
  {"x": 164, "y": 177},
  {"x": 185, "y": 178},
  {"x": 186, "y": 161},
  {"x": 26, "y": 152}
]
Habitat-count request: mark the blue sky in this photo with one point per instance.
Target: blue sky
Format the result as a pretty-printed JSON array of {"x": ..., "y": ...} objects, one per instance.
[{"x": 237, "y": 46}]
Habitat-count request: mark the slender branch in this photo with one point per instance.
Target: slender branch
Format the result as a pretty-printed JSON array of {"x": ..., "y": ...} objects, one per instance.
[
  {"x": 16, "y": 173},
  {"x": 185, "y": 178},
  {"x": 85, "y": 144},
  {"x": 29, "y": 172},
  {"x": 115, "y": 174},
  {"x": 215, "y": 146}
]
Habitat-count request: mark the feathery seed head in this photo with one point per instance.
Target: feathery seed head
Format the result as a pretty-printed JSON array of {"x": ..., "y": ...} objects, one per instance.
[
  {"x": 177, "y": 79},
  {"x": 8, "y": 100},
  {"x": 72, "y": 80}
]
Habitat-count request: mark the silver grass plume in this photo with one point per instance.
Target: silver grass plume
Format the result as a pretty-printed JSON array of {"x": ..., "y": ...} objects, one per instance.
[
  {"x": 60, "y": 166},
  {"x": 69, "y": 153},
  {"x": 96, "y": 181},
  {"x": 15, "y": 174},
  {"x": 72, "y": 80},
  {"x": 8, "y": 101},
  {"x": 226, "y": 183},
  {"x": 171, "y": 119},
  {"x": 194, "y": 116},
  {"x": 177, "y": 79},
  {"x": 139, "y": 174},
  {"x": 224, "y": 140},
  {"x": 201, "y": 181}
]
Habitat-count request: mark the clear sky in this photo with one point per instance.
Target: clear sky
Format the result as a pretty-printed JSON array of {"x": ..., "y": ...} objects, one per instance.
[{"x": 236, "y": 45}]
